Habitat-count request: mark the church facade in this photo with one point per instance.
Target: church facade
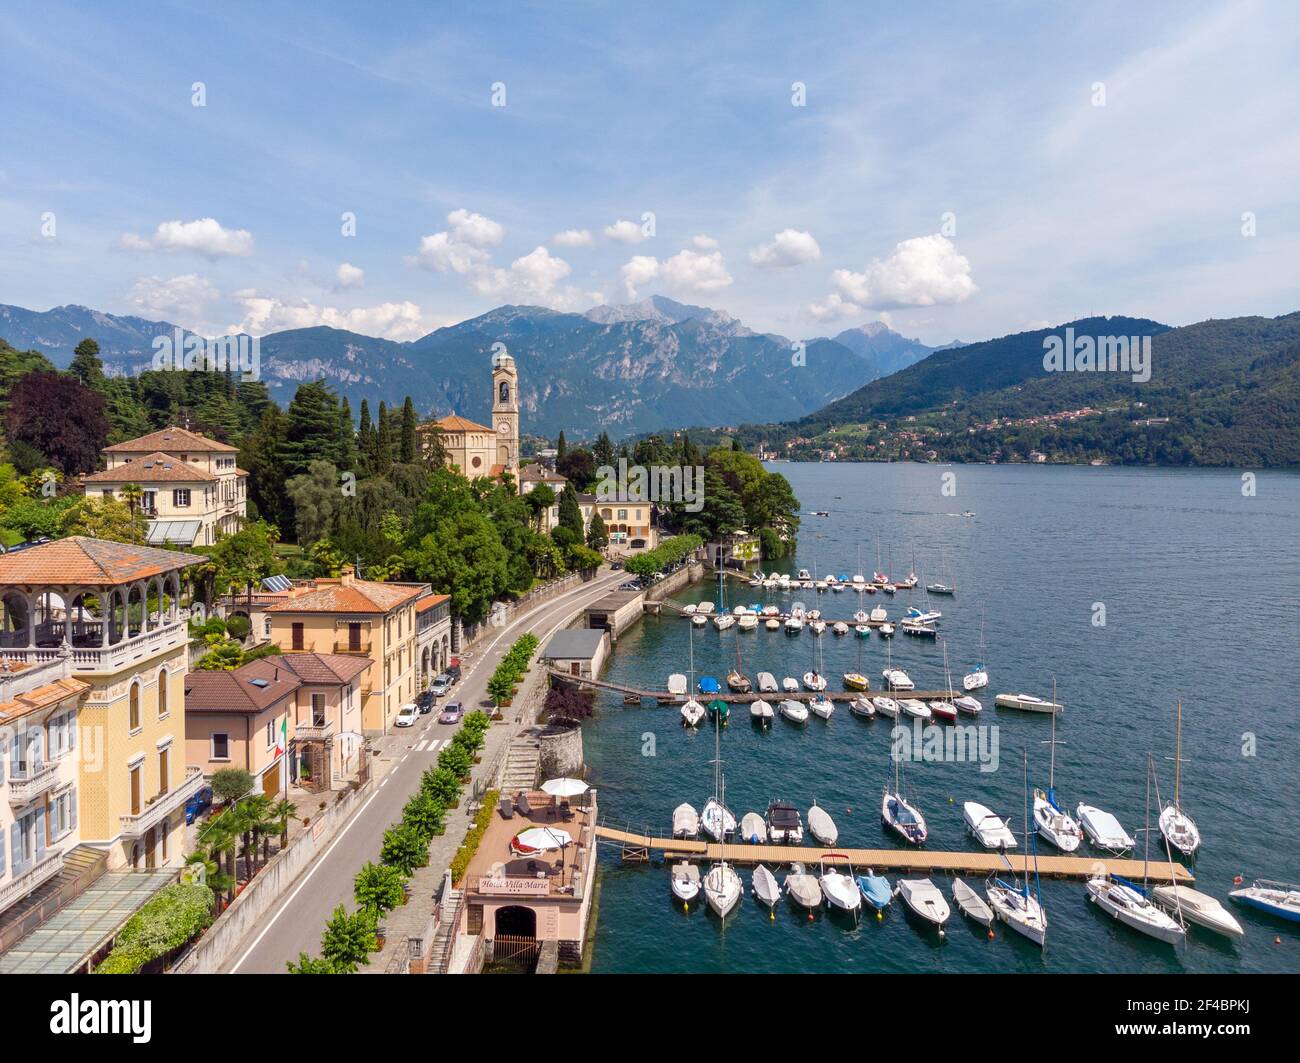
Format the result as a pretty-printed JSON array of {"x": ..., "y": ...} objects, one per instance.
[{"x": 478, "y": 449}]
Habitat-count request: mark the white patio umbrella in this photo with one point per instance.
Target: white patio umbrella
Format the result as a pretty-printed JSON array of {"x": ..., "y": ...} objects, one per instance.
[
  {"x": 565, "y": 787},
  {"x": 542, "y": 839}
]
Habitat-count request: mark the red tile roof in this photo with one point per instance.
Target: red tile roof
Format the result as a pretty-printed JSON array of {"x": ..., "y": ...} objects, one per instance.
[
  {"x": 455, "y": 423},
  {"x": 171, "y": 440},
  {"x": 79, "y": 559},
  {"x": 235, "y": 691},
  {"x": 359, "y": 596},
  {"x": 325, "y": 667},
  {"x": 42, "y": 697},
  {"x": 156, "y": 468},
  {"x": 429, "y": 601}
]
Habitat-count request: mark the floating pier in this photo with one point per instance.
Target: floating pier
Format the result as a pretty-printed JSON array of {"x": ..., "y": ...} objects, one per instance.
[
  {"x": 663, "y": 697},
  {"x": 639, "y": 848}
]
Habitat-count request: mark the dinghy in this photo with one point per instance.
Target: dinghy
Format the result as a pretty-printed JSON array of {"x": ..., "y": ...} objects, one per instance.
[
  {"x": 767, "y": 683},
  {"x": 790, "y": 685},
  {"x": 923, "y": 897},
  {"x": 1197, "y": 907},
  {"x": 875, "y": 890},
  {"x": 761, "y": 712},
  {"x": 803, "y": 888},
  {"x": 839, "y": 887},
  {"x": 765, "y": 886},
  {"x": 1125, "y": 902},
  {"x": 752, "y": 829},
  {"x": 784, "y": 827},
  {"x": 1275, "y": 898},
  {"x": 862, "y": 707},
  {"x": 794, "y": 711},
  {"x": 987, "y": 828},
  {"x": 971, "y": 903},
  {"x": 1026, "y": 703},
  {"x": 822, "y": 707},
  {"x": 822, "y": 826},
  {"x": 885, "y": 706},
  {"x": 686, "y": 821},
  {"x": 677, "y": 684},
  {"x": 1103, "y": 829},
  {"x": 686, "y": 882},
  {"x": 692, "y": 713}
]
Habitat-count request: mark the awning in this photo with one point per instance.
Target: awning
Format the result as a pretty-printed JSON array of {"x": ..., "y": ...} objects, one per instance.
[{"x": 180, "y": 532}]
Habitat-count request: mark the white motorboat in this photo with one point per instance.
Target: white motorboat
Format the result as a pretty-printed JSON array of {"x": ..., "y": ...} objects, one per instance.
[
  {"x": 794, "y": 711},
  {"x": 723, "y": 621},
  {"x": 803, "y": 888},
  {"x": 1011, "y": 901},
  {"x": 704, "y": 607},
  {"x": 686, "y": 821},
  {"x": 689, "y": 609},
  {"x": 747, "y": 622},
  {"x": 722, "y": 888},
  {"x": 989, "y": 829},
  {"x": 717, "y": 821},
  {"x": 1123, "y": 901},
  {"x": 699, "y": 620},
  {"x": 1177, "y": 826},
  {"x": 924, "y": 898},
  {"x": 686, "y": 882},
  {"x": 772, "y": 624},
  {"x": 767, "y": 683},
  {"x": 761, "y": 711},
  {"x": 817, "y": 627},
  {"x": 878, "y": 615},
  {"x": 1276, "y": 898},
  {"x": 922, "y": 616},
  {"x": 885, "y": 706},
  {"x": 918, "y": 710},
  {"x": 969, "y": 705},
  {"x": 821, "y": 826},
  {"x": 886, "y": 631},
  {"x": 1197, "y": 907},
  {"x": 793, "y": 625},
  {"x": 1026, "y": 703},
  {"x": 814, "y": 681},
  {"x": 1103, "y": 829},
  {"x": 753, "y": 830},
  {"x": 804, "y": 574},
  {"x": 784, "y": 827},
  {"x": 862, "y": 706},
  {"x": 976, "y": 679},
  {"x": 822, "y": 707},
  {"x": 840, "y": 627},
  {"x": 677, "y": 684},
  {"x": 838, "y": 887},
  {"x": 897, "y": 679},
  {"x": 971, "y": 903},
  {"x": 692, "y": 713},
  {"x": 790, "y": 684},
  {"x": 765, "y": 886},
  {"x": 919, "y": 630}
]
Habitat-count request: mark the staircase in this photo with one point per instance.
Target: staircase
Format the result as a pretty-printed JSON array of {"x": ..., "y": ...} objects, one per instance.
[
  {"x": 523, "y": 762},
  {"x": 444, "y": 938}
]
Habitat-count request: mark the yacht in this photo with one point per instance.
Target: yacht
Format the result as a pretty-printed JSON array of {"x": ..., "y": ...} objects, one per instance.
[
  {"x": 885, "y": 706},
  {"x": 1197, "y": 907},
  {"x": 784, "y": 825},
  {"x": 1026, "y": 703},
  {"x": 1124, "y": 902},
  {"x": 794, "y": 711},
  {"x": 989, "y": 829}
]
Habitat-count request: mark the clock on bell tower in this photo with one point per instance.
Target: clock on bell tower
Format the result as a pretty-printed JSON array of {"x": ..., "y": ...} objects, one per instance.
[{"x": 505, "y": 411}]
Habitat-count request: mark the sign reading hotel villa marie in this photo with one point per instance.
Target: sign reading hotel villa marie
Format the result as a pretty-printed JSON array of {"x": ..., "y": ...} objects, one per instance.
[{"x": 514, "y": 887}]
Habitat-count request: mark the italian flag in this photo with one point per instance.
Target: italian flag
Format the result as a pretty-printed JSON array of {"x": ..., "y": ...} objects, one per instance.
[{"x": 282, "y": 740}]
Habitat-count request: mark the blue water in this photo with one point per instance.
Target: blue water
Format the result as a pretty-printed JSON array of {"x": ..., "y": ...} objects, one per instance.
[{"x": 1201, "y": 589}]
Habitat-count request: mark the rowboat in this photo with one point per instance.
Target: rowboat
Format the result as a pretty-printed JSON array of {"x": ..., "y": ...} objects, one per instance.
[
  {"x": 686, "y": 821},
  {"x": 923, "y": 897},
  {"x": 822, "y": 826},
  {"x": 971, "y": 904}
]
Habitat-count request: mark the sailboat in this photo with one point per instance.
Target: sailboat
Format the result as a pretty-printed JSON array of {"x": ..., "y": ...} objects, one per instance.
[
  {"x": 1011, "y": 901},
  {"x": 1177, "y": 826},
  {"x": 978, "y": 677},
  {"x": 717, "y": 821},
  {"x": 943, "y": 709},
  {"x": 895, "y": 678},
  {"x": 692, "y": 710},
  {"x": 736, "y": 679},
  {"x": 912, "y": 579},
  {"x": 940, "y": 587},
  {"x": 722, "y": 888},
  {"x": 1052, "y": 821},
  {"x": 855, "y": 680},
  {"x": 899, "y": 815}
]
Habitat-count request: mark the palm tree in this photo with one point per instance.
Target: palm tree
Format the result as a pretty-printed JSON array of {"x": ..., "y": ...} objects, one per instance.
[{"x": 283, "y": 811}]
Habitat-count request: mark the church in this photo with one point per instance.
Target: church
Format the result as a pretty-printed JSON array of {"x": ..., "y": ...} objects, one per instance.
[{"x": 478, "y": 449}]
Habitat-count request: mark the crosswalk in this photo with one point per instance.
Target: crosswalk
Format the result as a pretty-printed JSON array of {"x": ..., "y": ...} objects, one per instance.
[{"x": 427, "y": 745}]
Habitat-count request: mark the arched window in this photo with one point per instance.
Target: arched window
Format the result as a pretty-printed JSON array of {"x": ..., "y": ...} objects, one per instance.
[
  {"x": 162, "y": 692},
  {"x": 135, "y": 707},
  {"x": 504, "y": 393}
]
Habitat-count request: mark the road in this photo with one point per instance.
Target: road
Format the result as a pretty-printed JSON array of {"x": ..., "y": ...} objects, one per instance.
[{"x": 296, "y": 921}]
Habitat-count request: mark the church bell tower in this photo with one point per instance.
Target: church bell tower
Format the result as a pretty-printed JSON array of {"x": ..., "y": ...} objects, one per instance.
[{"x": 505, "y": 411}]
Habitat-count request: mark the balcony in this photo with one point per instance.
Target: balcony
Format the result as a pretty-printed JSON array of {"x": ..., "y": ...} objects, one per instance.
[
  {"x": 136, "y": 825},
  {"x": 314, "y": 732},
  {"x": 48, "y": 866},
  {"x": 346, "y": 646},
  {"x": 88, "y": 655},
  {"x": 27, "y": 786}
]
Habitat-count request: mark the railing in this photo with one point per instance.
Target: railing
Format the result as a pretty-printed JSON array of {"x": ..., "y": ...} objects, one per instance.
[
  {"x": 23, "y": 787},
  {"x": 136, "y": 824},
  {"x": 346, "y": 646},
  {"x": 314, "y": 732},
  {"x": 107, "y": 658},
  {"x": 46, "y": 868}
]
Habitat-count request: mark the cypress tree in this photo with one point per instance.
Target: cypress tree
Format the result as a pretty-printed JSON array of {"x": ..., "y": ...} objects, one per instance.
[{"x": 408, "y": 442}]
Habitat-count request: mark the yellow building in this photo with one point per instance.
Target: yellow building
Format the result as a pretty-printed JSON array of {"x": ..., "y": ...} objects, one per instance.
[
  {"x": 356, "y": 616},
  {"x": 627, "y": 523},
  {"x": 478, "y": 449},
  {"x": 113, "y": 613},
  {"x": 192, "y": 489}
]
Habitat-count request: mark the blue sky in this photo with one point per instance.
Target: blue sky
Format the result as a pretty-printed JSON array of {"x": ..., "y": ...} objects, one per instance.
[{"x": 950, "y": 172}]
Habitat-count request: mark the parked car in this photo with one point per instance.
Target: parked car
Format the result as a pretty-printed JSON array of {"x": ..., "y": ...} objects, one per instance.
[
  {"x": 452, "y": 712},
  {"x": 424, "y": 701},
  {"x": 440, "y": 685},
  {"x": 198, "y": 804},
  {"x": 630, "y": 585},
  {"x": 616, "y": 565},
  {"x": 453, "y": 670},
  {"x": 407, "y": 715}
]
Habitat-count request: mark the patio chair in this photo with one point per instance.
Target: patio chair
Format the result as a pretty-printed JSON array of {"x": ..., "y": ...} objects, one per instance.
[
  {"x": 522, "y": 805},
  {"x": 506, "y": 807}
]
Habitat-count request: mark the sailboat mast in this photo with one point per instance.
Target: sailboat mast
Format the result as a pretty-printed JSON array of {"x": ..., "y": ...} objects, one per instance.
[
  {"x": 1146, "y": 823},
  {"x": 1178, "y": 749}
]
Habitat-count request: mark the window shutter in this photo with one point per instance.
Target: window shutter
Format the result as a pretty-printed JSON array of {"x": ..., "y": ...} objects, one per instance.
[
  {"x": 40, "y": 833},
  {"x": 4, "y": 757},
  {"x": 16, "y": 847},
  {"x": 2, "y": 853},
  {"x": 72, "y": 808},
  {"x": 72, "y": 733}
]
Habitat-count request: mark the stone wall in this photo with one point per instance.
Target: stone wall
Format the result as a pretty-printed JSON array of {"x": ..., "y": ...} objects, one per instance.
[{"x": 561, "y": 753}]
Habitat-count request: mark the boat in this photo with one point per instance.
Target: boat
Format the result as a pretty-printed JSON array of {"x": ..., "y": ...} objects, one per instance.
[
  {"x": 738, "y": 681},
  {"x": 1011, "y": 901},
  {"x": 814, "y": 681},
  {"x": 967, "y": 704},
  {"x": 752, "y": 829},
  {"x": 804, "y": 574},
  {"x": 840, "y": 627},
  {"x": 1177, "y": 826},
  {"x": 885, "y": 706},
  {"x": 976, "y": 679},
  {"x": 747, "y": 622},
  {"x": 704, "y": 607},
  {"x": 1276, "y": 898},
  {"x": 677, "y": 684},
  {"x": 1103, "y": 829},
  {"x": 821, "y": 826},
  {"x": 1026, "y": 703},
  {"x": 686, "y": 821},
  {"x": 722, "y": 888},
  {"x": 790, "y": 684},
  {"x": 686, "y": 882},
  {"x": 821, "y": 706},
  {"x": 944, "y": 710},
  {"x": 878, "y": 615},
  {"x": 895, "y": 678},
  {"x": 1053, "y": 822},
  {"x": 862, "y": 631},
  {"x": 861, "y": 616},
  {"x": 918, "y": 710},
  {"x": 923, "y": 616},
  {"x": 817, "y": 627},
  {"x": 784, "y": 827},
  {"x": 765, "y": 886},
  {"x": 899, "y": 815},
  {"x": 971, "y": 903},
  {"x": 692, "y": 713},
  {"x": 1197, "y": 907},
  {"x": 923, "y": 897},
  {"x": 689, "y": 609},
  {"x": 761, "y": 712},
  {"x": 862, "y": 707},
  {"x": 918, "y": 630},
  {"x": 723, "y": 621},
  {"x": 771, "y": 610},
  {"x": 839, "y": 887},
  {"x": 989, "y": 829},
  {"x": 719, "y": 709},
  {"x": 708, "y": 686},
  {"x": 794, "y": 711},
  {"x": 716, "y": 821},
  {"x": 772, "y": 624},
  {"x": 946, "y": 587},
  {"x": 793, "y": 625},
  {"x": 767, "y": 683},
  {"x": 803, "y": 888},
  {"x": 886, "y": 630},
  {"x": 699, "y": 620},
  {"x": 875, "y": 890}
]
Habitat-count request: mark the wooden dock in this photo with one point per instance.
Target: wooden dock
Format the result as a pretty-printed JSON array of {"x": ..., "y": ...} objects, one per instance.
[
  {"x": 640, "y": 847},
  {"x": 663, "y": 697}
]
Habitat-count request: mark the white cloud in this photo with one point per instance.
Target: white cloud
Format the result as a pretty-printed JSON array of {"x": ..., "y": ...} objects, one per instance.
[
  {"x": 789, "y": 247},
  {"x": 264, "y": 313},
  {"x": 204, "y": 236},
  {"x": 625, "y": 232},
  {"x": 441, "y": 253},
  {"x": 186, "y": 296},
  {"x": 923, "y": 271},
  {"x": 835, "y": 308},
  {"x": 639, "y": 270},
  {"x": 474, "y": 229},
  {"x": 705, "y": 243},
  {"x": 694, "y": 271},
  {"x": 350, "y": 276},
  {"x": 573, "y": 238}
]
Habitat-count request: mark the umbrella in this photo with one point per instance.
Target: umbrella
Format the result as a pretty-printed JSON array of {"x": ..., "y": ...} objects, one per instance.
[
  {"x": 565, "y": 787},
  {"x": 540, "y": 839}
]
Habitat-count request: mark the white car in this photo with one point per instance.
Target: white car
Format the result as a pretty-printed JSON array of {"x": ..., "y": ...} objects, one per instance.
[{"x": 407, "y": 715}]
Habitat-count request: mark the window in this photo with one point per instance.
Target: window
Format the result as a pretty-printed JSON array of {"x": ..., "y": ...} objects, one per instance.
[
  {"x": 135, "y": 790},
  {"x": 134, "y": 722},
  {"x": 181, "y": 498},
  {"x": 318, "y": 710},
  {"x": 220, "y": 746},
  {"x": 354, "y": 638},
  {"x": 107, "y": 492},
  {"x": 162, "y": 693},
  {"x": 297, "y": 636},
  {"x": 166, "y": 830},
  {"x": 149, "y": 500},
  {"x": 164, "y": 770}
]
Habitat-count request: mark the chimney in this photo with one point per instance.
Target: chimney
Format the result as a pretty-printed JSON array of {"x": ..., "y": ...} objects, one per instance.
[{"x": 346, "y": 575}]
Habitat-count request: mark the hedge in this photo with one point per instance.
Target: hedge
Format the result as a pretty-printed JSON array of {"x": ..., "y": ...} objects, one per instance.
[
  {"x": 177, "y": 915},
  {"x": 460, "y": 862},
  {"x": 668, "y": 551}
]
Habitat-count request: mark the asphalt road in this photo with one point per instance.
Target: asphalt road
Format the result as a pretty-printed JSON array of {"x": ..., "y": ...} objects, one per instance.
[{"x": 296, "y": 921}]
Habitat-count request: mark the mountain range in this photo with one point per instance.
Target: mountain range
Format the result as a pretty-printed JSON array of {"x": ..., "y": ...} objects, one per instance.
[{"x": 648, "y": 366}]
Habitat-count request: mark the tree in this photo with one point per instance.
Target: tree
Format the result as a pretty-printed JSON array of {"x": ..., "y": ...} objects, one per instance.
[
  {"x": 567, "y": 706},
  {"x": 316, "y": 499},
  {"x": 262, "y": 455},
  {"x": 60, "y": 417},
  {"x": 230, "y": 784},
  {"x": 403, "y": 846},
  {"x": 571, "y": 513},
  {"x": 103, "y": 518},
  {"x": 561, "y": 448},
  {"x": 311, "y": 431},
  {"x": 540, "y": 499},
  {"x": 244, "y": 558},
  {"x": 86, "y": 366},
  {"x": 597, "y": 535},
  {"x": 309, "y": 965},
  {"x": 407, "y": 447},
  {"x": 348, "y": 940},
  {"x": 603, "y": 450},
  {"x": 578, "y": 465},
  {"x": 378, "y": 888}
]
